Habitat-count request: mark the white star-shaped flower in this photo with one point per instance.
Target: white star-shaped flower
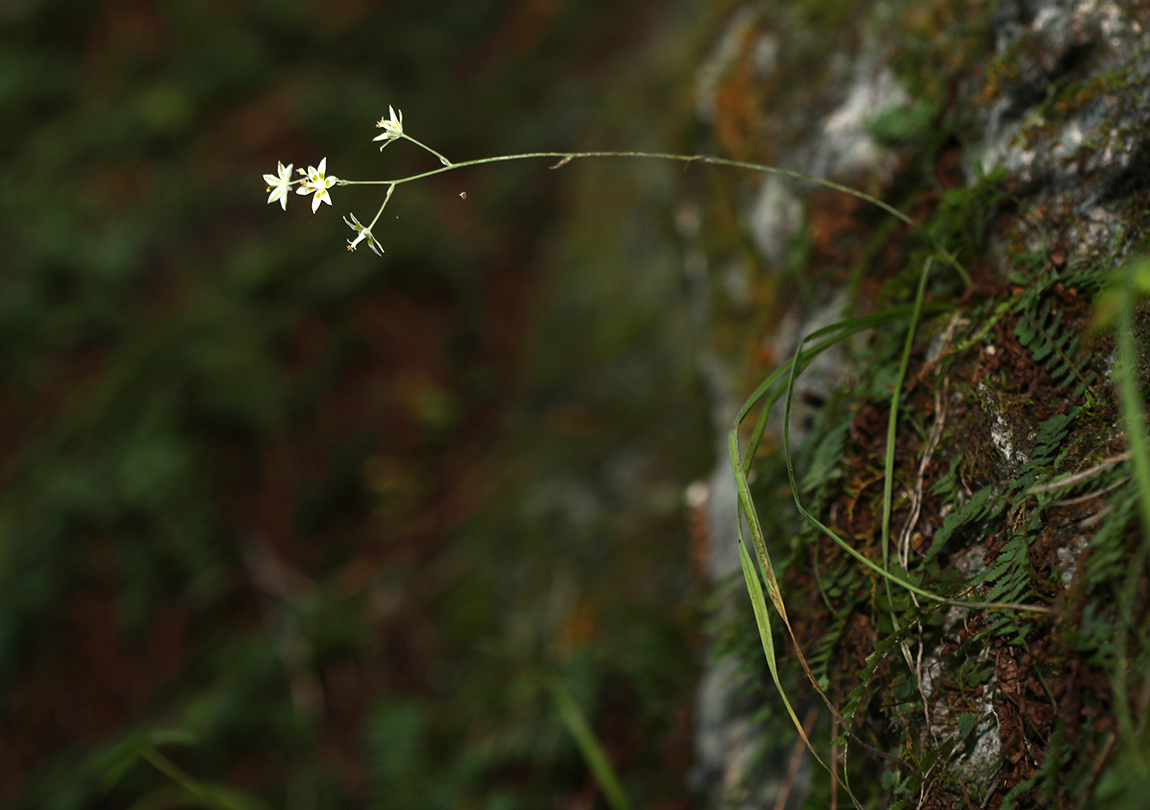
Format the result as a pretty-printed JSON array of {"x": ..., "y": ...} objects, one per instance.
[
  {"x": 392, "y": 128},
  {"x": 361, "y": 234},
  {"x": 279, "y": 186},
  {"x": 317, "y": 181}
]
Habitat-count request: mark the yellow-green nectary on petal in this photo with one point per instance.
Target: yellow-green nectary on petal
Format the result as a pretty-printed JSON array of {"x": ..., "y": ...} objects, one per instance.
[{"x": 317, "y": 182}]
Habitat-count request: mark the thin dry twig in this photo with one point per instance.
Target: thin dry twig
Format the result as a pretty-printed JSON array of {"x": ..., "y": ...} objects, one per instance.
[
  {"x": 1091, "y": 495},
  {"x": 928, "y": 450},
  {"x": 932, "y": 440},
  {"x": 1071, "y": 480},
  {"x": 797, "y": 755},
  {"x": 1099, "y": 764}
]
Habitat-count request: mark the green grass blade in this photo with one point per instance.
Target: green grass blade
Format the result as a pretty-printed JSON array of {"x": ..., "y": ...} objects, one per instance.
[
  {"x": 589, "y": 747},
  {"x": 1130, "y": 402},
  {"x": 892, "y": 421},
  {"x": 758, "y": 600},
  {"x": 768, "y": 394},
  {"x": 224, "y": 799},
  {"x": 829, "y": 336},
  {"x": 763, "y": 622}
]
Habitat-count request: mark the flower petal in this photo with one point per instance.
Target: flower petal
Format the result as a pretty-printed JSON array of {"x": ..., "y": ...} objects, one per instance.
[{"x": 279, "y": 193}]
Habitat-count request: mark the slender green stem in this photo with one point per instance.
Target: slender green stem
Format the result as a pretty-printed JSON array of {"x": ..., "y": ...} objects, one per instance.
[
  {"x": 379, "y": 213},
  {"x": 442, "y": 159},
  {"x": 565, "y": 157},
  {"x": 717, "y": 161}
]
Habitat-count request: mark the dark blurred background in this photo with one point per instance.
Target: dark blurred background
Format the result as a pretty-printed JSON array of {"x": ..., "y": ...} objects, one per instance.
[{"x": 328, "y": 516}]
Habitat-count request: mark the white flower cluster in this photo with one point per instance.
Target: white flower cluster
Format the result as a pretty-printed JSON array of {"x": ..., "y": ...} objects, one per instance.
[{"x": 317, "y": 181}]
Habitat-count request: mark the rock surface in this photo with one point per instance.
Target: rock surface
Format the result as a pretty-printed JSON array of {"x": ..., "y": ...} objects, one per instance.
[{"x": 1017, "y": 138}]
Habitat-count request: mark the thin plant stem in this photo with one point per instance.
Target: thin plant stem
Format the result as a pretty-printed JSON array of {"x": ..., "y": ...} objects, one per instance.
[
  {"x": 379, "y": 213},
  {"x": 565, "y": 157},
  {"x": 442, "y": 159}
]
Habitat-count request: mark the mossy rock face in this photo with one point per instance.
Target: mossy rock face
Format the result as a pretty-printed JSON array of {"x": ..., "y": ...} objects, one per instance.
[{"x": 1016, "y": 137}]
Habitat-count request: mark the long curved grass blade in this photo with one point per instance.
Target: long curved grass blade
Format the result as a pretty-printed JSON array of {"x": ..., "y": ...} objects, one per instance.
[
  {"x": 763, "y": 622},
  {"x": 830, "y": 335},
  {"x": 768, "y": 393},
  {"x": 835, "y": 333},
  {"x": 116, "y": 761},
  {"x": 758, "y": 602},
  {"x": 746, "y": 507}
]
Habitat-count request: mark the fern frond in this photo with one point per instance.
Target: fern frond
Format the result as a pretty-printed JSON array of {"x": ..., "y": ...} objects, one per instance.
[{"x": 1052, "y": 346}]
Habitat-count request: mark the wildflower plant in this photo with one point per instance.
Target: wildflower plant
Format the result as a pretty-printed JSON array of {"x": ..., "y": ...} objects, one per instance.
[
  {"x": 757, "y": 566},
  {"x": 316, "y": 181}
]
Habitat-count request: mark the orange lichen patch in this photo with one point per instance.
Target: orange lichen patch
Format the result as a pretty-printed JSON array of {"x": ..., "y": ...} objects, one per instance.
[
  {"x": 996, "y": 77},
  {"x": 698, "y": 503},
  {"x": 743, "y": 125},
  {"x": 838, "y": 232}
]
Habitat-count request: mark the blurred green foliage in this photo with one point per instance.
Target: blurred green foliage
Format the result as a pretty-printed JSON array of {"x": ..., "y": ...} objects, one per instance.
[{"x": 328, "y": 514}]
